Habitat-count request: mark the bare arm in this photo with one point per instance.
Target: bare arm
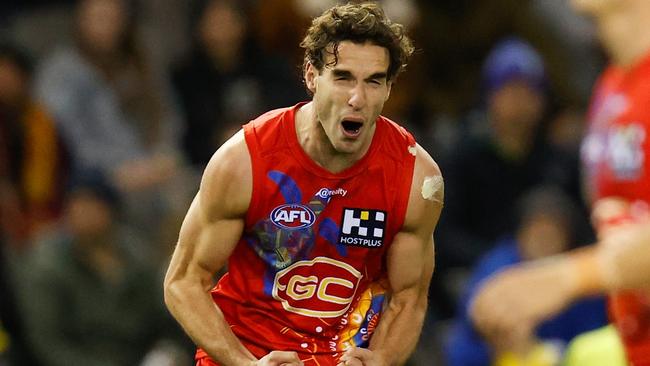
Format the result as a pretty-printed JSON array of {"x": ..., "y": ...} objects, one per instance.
[
  {"x": 211, "y": 230},
  {"x": 209, "y": 234},
  {"x": 514, "y": 302},
  {"x": 620, "y": 260},
  {"x": 410, "y": 264}
]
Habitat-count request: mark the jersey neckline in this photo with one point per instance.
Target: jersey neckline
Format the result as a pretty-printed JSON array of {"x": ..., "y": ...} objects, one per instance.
[{"x": 288, "y": 126}]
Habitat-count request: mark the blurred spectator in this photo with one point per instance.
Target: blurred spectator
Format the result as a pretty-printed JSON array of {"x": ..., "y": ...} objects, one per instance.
[
  {"x": 106, "y": 99},
  {"x": 274, "y": 32},
  {"x": 227, "y": 80},
  {"x": 91, "y": 296},
  {"x": 32, "y": 173},
  {"x": 503, "y": 153},
  {"x": 32, "y": 159},
  {"x": 457, "y": 34},
  {"x": 455, "y": 39},
  {"x": 547, "y": 221},
  {"x": 114, "y": 113}
]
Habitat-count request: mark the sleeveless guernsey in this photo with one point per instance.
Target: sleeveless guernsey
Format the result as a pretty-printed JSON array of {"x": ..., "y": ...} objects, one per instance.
[{"x": 309, "y": 273}]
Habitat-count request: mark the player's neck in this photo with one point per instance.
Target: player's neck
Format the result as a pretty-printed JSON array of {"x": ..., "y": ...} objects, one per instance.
[
  {"x": 626, "y": 36},
  {"x": 315, "y": 143}
]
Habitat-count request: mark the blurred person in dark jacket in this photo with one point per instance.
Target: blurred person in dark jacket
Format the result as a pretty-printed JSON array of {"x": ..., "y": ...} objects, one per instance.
[
  {"x": 92, "y": 295},
  {"x": 227, "y": 79},
  {"x": 547, "y": 226},
  {"x": 502, "y": 154}
]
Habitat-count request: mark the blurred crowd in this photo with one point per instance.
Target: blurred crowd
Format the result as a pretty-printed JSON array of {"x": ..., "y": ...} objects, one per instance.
[{"x": 110, "y": 110}]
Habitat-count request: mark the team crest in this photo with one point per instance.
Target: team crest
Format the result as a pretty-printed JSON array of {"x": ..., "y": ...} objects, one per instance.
[{"x": 363, "y": 228}]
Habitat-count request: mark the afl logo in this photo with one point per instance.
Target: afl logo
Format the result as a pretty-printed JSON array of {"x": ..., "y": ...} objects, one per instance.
[{"x": 293, "y": 217}]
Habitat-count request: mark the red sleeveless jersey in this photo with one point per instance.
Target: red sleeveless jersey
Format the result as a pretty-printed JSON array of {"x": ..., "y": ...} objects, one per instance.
[
  {"x": 616, "y": 154},
  {"x": 309, "y": 273}
]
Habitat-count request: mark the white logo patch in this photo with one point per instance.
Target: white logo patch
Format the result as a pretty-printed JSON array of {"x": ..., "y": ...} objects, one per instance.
[{"x": 326, "y": 193}]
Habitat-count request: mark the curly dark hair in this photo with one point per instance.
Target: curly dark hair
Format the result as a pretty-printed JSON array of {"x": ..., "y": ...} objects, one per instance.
[{"x": 359, "y": 23}]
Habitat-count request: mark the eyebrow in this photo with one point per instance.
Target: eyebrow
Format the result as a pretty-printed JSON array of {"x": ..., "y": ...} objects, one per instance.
[
  {"x": 341, "y": 73},
  {"x": 378, "y": 75},
  {"x": 346, "y": 73}
]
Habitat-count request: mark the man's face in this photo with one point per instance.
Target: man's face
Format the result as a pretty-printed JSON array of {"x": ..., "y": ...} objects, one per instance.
[
  {"x": 543, "y": 235},
  {"x": 13, "y": 83},
  {"x": 517, "y": 104},
  {"x": 102, "y": 23},
  {"x": 350, "y": 95},
  {"x": 221, "y": 26}
]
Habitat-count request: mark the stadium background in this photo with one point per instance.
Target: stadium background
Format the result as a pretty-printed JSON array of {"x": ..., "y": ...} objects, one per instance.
[{"x": 190, "y": 74}]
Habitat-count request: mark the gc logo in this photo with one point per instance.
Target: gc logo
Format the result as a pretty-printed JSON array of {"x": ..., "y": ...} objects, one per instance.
[{"x": 320, "y": 288}]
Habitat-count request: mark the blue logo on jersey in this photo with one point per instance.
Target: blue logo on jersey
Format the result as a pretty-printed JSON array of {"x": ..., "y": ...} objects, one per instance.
[{"x": 292, "y": 216}]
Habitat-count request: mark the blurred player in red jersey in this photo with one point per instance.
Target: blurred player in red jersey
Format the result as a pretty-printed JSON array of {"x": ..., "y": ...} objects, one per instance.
[
  {"x": 616, "y": 156},
  {"x": 324, "y": 213}
]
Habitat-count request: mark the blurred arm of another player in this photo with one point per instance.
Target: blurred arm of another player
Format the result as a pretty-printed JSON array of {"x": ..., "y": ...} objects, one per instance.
[
  {"x": 512, "y": 303},
  {"x": 410, "y": 262},
  {"x": 211, "y": 229}
]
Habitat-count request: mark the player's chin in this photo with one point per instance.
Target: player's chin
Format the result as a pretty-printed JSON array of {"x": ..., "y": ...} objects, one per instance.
[{"x": 346, "y": 146}]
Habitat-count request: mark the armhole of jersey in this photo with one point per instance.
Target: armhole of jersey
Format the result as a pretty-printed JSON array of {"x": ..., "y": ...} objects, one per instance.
[
  {"x": 254, "y": 152},
  {"x": 404, "y": 192}
]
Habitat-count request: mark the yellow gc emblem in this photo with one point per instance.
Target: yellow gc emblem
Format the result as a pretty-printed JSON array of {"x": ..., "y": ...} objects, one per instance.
[{"x": 320, "y": 288}]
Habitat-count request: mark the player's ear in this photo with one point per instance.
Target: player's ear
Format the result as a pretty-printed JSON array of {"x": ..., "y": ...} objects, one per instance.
[
  {"x": 310, "y": 77},
  {"x": 389, "y": 86}
]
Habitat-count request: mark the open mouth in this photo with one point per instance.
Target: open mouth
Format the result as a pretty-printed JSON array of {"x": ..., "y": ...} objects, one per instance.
[{"x": 351, "y": 128}]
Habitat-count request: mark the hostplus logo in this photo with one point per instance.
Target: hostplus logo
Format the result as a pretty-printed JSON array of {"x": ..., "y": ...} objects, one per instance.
[{"x": 363, "y": 228}]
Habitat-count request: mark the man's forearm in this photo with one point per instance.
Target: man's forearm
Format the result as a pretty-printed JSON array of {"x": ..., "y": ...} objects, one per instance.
[
  {"x": 205, "y": 324},
  {"x": 400, "y": 327}
]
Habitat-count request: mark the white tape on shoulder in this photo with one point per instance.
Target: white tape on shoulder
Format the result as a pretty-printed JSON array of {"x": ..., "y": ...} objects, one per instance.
[
  {"x": 430, "y": 187},
  {"x": 413, "y": 150}
]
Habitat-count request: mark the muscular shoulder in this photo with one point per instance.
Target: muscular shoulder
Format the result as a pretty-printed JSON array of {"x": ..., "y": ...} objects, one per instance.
[
  {"x": 226, "y": 185},
  {"x": 399, "y": 142},
  {"x": 427, "y": 193}
]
